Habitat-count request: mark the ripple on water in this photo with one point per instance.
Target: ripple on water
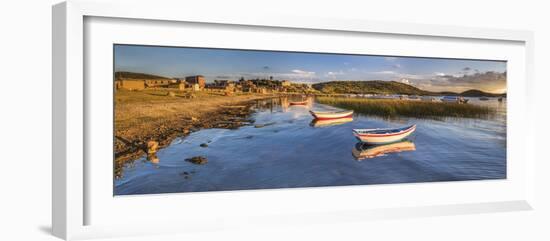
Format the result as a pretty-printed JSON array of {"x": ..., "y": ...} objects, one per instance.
[{"x": 289, "y": 152}]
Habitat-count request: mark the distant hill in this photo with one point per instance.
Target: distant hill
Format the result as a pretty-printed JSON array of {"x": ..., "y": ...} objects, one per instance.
[
  {"x": 478, "y": 93},
  {"x": 388, "y": 87},
  {"x": 368, "y": 87},
  {"x": 132, "y": 75}
]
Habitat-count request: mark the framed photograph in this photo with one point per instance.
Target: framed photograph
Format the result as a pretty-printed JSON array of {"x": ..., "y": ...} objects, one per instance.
[{"x": 210, "y": 122}]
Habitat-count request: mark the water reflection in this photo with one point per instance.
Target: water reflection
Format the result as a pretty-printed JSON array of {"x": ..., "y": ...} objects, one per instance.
[
  {"x": 153, "y": 158},
  {"x": 280, "y": 149},
  {"x": 284, "y": 103},
  {"x": 363, "y": 151},
  {"x": 300, "y": 101},
  {"x": 330, "y": 122}
]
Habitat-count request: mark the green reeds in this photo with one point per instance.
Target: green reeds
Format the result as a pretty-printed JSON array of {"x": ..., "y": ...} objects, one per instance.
[{"x": 410, "y": 108}]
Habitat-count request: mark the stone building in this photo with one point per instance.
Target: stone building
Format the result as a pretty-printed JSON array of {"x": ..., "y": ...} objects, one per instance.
[
  {"x": 195, "y": 87},
  {"x": 130, "y": 84},
  {"x": 157, "y": 83},
  {"x": 222, "y": 85},
  {"x": 196, "y": 79}
]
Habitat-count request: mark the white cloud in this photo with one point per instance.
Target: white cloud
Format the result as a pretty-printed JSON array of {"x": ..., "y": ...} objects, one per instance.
[
  {"x": 390, "y": 58},
  {"x": 389, "y": 72},
  {"x": 334, "y": 74},
  {"x": 303, "y": 73},
  {"x": 489, "y": 81},
  {"x": 405, "y": 81}
]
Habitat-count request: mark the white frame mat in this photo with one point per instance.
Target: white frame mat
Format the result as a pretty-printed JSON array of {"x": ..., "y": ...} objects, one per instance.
[{"x": 75, "y": 189}]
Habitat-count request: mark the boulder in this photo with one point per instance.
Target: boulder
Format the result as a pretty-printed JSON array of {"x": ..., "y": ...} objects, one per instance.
[
  {"x": 153, "y": 158},
  {"x": 199, "y": 160},
  {"x": 152, "y": 147}
]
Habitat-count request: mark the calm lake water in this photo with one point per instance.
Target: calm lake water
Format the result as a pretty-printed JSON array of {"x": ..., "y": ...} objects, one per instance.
[{"x": 284, "y": 149}]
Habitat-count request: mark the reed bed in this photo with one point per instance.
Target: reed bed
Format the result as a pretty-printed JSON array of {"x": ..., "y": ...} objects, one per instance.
[{"x": 408, "y": 108}]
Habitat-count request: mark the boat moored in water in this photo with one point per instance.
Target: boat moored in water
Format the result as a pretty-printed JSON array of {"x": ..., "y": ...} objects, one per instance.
[
  {"x": 325, "y": 115},
  {"x": 383, "y": 135}
]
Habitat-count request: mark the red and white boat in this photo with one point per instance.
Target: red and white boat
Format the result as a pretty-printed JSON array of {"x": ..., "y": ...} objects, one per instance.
[
  {"x": 383, "y": 135},
  {"x": 298, "y": 102},
  {"x": 321, "y": 115}
]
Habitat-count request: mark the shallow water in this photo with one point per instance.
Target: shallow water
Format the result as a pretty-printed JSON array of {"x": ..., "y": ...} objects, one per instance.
[{"x": 283, "y": 149}]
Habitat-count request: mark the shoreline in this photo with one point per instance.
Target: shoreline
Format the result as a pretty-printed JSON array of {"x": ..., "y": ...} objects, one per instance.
[
  {"x": 163, "y": 118},
  {"x": 160, "y": 116}
]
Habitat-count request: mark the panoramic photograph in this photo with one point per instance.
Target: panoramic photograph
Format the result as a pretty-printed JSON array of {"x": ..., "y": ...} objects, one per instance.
[{"x": 190, "y": 119}]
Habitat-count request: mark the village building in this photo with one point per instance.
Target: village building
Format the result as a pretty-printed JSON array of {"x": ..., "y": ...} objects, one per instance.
[
  {"x": 247, "y": 86},
  {"x": 223, "y": 82},
  {"x": 196, "y": 79},
  {"x": 285, "y": 83},
  {"x": 140, "y": 84},
  {"x": 157, "y": 83},
  {"x": 195, "y": 87},
  {"x": 130, "y": 84},
  {"x": 261, "y": 90},
  {"x": 222, "y": 85}
]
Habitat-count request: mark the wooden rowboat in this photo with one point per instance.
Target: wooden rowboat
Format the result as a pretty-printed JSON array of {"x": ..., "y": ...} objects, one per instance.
[
  {"x": 321, "y": 115},
  {"x": 383, "y": 135},
  {"x": 362, "y": 151},
  {"x": 298, "y": 102}
]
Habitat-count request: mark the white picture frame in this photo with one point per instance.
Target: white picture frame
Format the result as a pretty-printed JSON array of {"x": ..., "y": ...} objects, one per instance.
[{"x": 72, "y": 189}]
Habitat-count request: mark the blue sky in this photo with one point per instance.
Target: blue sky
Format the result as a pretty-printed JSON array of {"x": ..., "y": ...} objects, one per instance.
[{"x": 426, "y": 73}]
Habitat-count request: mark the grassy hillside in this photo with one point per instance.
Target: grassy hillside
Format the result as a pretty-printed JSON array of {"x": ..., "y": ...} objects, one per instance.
[
  {"x": 368, "y": 87},
  {"x": 387, "y": 87},
  {"x": 132, "y": 75}
]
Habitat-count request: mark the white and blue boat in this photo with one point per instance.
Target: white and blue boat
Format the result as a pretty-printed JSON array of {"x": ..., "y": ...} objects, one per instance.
[{"x": 383, "y": 135}]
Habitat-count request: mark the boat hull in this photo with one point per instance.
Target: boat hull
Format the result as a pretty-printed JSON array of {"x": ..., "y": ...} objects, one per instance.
[
  {"x": 331, "y": 115},
  {"x": 379, "y": 139}
]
